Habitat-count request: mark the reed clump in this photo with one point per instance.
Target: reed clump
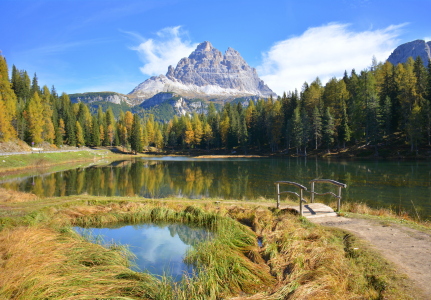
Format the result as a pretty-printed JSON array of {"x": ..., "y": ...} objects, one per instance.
[
  {"x": 10, "y": 196},
  {"x": 41, "y": 263}
]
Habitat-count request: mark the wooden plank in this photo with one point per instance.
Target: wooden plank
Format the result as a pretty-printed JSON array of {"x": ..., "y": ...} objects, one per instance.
[{"x": 315, "y": 210}]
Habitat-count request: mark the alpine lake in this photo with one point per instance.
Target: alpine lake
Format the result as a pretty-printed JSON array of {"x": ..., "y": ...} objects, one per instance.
[{"x": 159, "y": 249}]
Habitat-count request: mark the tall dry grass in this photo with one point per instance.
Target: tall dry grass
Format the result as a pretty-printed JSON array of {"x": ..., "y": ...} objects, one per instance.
[
  {"x": 298, "y": 260},
  {"x": 40, "y": 263},
  {"x": 9, "y": 196}
]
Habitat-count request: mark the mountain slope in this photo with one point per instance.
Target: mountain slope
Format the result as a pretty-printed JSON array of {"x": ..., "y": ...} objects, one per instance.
[{"x": 413, "y": 49}]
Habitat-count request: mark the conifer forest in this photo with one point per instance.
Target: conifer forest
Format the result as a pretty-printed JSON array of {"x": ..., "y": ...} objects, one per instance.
[{"x": 371, "y": 107}]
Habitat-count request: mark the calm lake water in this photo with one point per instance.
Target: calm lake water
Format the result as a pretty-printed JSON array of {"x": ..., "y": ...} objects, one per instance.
[
  {"x": 398, "y": 184},
  {"x": 159, "y": 249}
]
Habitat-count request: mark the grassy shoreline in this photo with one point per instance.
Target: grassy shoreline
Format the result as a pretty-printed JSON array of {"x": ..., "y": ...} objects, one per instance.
[
  {"x": 298, "y": 260},
  {"x": 19, "y": 162}
]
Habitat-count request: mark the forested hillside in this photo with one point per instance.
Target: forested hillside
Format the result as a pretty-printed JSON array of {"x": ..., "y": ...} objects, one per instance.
[{"x": 366, "y": 108}]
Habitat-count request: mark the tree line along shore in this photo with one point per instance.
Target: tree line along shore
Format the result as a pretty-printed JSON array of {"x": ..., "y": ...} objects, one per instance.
[{"x": 384, "y": 110}]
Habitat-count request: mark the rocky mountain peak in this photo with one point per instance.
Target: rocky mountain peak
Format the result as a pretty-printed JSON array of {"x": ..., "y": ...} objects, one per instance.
[
  {"x": 207, "y": 73},
  {"x": 205, "y": 46},
  {"x": 414, "y": 49}
]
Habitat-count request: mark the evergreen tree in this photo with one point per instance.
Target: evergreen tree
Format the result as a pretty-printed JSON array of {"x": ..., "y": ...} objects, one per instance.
[
  {"x": 136, "y": 136},
  {"x": 242, "y": 132},
  {"x": 232, "y": 138},
  {"x": 306, "y": 130},
  {"x": 95, "y": 137},
  {"x": 297, "y": 130},
  {"x": 275, "y": 125},
  {"x": 251, "y": 119},
  {"x": 328, "y": 129},
  {"x": 35, "y": 86},
  {"x": 428, "y": 93},
  {"x": 414, "y": 127},
  {"x": 386, "y": 117},
  {"x": 426, "y": 116},
  {"x": 58, "y": 137},
  {"x": 316, "y": 126},
  {"x": 421, "y": 78},
  {"x": 344, "y": 128}
]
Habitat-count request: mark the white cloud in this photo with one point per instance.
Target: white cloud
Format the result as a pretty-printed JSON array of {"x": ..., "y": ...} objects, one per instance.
[
  {"x": 427, "y": 39},
  {"x": 170, "y": 45},
  {"x": 324, "y": 51}
]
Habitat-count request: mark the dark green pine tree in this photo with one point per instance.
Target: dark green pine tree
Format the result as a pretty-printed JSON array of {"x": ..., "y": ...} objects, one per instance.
[
  {"x": 289, "y": 105},
  {"x": 421, "y": 77},
  {"x": 70, "y": 123},
  {"x": 328, "y": 129},
  {"x": 306, "y": 130},
  {"x": 344, "y": 131},
  {"x": 428, "y": 93},
  {"x": 26, "y": 86},
  {"x": 316, "y": 126},
  {"x": 35, "y": 86},
  {"x": 386, "y": 117},
  {"x": 136, "y": 135},
  {"x": 297, "y": 130},
  {"x": 242, "y": 132},
  {"x": 95, "y": 136},
  {"x": 233, "y": 136},
  {"x": 58, "y": 137}
]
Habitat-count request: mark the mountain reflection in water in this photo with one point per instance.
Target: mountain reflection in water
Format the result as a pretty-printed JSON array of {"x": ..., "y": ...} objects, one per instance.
[{"x": 159, "y": 249}]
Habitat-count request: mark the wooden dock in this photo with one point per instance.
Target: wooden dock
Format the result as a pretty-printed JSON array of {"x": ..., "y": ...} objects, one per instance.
[{"x": 313, "y": 210}]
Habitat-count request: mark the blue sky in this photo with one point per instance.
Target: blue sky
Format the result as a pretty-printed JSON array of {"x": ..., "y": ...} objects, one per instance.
[{"x": 113, "y": 45}]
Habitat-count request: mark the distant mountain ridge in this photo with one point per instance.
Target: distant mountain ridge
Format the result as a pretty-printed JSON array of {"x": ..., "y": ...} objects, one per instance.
[
  {"x": 91, "y": 97},
  {"x": 411, "y": 49},
  {"x": 207, "y": 74}
]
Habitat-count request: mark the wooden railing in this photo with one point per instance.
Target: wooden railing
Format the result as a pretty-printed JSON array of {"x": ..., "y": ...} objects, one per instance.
[
  {"x": 330, "y": 181},
  {"x": 300, "y": 195},
  {"x": 303, "y": 188}
]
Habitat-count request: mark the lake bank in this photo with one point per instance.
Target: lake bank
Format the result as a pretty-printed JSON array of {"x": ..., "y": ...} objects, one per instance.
[
  {"x": 10, "y": 163},
  {"x": 305, "y": 260}
]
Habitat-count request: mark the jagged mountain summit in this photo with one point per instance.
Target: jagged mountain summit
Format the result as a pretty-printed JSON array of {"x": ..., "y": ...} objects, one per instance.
[
  {"x": 414, "y": 49},
  {"x": 207, "y": 74}
]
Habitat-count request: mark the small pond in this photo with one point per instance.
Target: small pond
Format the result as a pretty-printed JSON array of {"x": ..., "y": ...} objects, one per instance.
[{"x": 159, "y": 249}]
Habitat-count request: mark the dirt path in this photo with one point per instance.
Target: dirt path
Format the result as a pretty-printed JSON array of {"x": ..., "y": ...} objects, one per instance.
[{"x": 409, "y": 249}]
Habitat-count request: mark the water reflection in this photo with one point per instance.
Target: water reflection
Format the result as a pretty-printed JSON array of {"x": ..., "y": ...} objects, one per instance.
[
  {"x": 378, "y": 183},
  {"x": 159, "y": 249}
]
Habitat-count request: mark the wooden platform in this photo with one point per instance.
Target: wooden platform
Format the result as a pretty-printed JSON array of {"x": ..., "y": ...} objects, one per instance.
[{"x": 314, "y": 210}]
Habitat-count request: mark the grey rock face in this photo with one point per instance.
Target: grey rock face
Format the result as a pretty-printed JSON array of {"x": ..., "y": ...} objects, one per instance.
[
  {"x": 207, "y": 73},
  {"x": 413, "y": 49},
  {"x": 102, "y": 96}
]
